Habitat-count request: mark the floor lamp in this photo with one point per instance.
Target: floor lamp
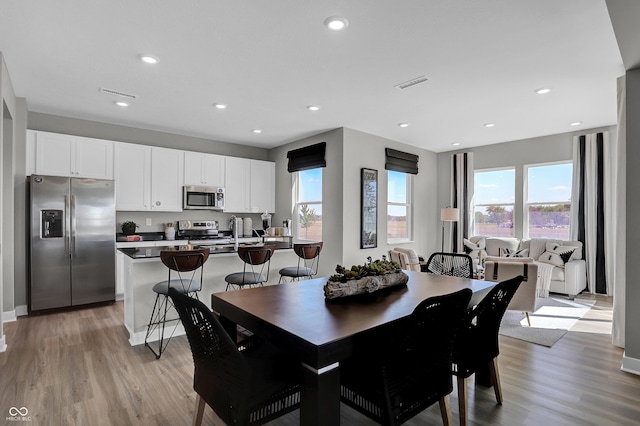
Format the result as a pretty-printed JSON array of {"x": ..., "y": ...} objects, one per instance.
[{"x": 448, "y": 214}]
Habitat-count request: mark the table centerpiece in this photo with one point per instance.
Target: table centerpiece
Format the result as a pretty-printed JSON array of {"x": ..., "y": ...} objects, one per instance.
[{"x": 362, "y": 279}]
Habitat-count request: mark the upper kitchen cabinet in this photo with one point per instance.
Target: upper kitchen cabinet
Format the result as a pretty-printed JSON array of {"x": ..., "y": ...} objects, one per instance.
[
  {"x": 249, "y": 186},
  {"x": 72, "y": 156},
  {"x": 204, "y": 169},
  {"x": 148, "y": 178}
]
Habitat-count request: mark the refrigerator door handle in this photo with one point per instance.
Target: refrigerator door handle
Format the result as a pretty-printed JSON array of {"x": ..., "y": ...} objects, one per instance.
[
  {"x": 67, "y": 226},
  {"x": 73, "y": 227}
]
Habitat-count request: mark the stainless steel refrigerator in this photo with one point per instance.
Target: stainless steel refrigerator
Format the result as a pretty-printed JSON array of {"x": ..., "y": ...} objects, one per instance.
[{"x": 72, "y": 247}]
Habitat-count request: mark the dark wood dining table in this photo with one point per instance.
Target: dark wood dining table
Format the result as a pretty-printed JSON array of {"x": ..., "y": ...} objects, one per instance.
[{"x": 297, "y": 318}]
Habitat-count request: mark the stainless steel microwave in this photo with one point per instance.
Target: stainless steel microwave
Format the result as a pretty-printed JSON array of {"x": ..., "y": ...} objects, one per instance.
[{"x": 203, "y": 198}]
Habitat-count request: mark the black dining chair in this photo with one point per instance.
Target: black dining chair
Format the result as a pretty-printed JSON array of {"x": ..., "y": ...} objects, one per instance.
[
  {"x": 257, "y": 261},
  {"x": 476, "y": 346},
  {"x": 453, "y": 264},
  {"x": 187, "y": 267},
  {"x": 246, "y": 383},
  {"x": 408, "y": 368},
  {"x": 308, "y": 262}
]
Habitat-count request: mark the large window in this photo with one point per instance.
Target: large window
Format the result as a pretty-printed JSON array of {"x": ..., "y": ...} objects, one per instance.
[
  {"x": 308, "y": 205},
  {"x": 547, "y": 212},
  {"x": 398, "y": 206},
  {"x": 494, "y": 194}
]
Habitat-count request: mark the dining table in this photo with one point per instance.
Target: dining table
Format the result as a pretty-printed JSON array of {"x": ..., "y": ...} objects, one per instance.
[{"x": 298, "y": 319}]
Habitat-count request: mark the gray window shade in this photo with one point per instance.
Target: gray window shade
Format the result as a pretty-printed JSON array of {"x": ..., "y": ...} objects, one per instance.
[
  {"x": 309, "y": 157},
  {"x": 399, "y": 161}
]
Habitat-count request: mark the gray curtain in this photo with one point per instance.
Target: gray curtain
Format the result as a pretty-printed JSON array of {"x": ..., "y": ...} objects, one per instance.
[{"x": 462, "y": 199}]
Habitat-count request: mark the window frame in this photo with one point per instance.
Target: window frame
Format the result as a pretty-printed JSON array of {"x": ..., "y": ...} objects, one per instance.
[
  {"x": 525, "y": 194},
  {"x": 408, "y": 205},
  {"x": 513, "y": 204},
  {"x": 295, "y": 193}
]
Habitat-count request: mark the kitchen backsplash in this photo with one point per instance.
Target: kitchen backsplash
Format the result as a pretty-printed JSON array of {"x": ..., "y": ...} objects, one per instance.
[{"x": 159, "y": 219}]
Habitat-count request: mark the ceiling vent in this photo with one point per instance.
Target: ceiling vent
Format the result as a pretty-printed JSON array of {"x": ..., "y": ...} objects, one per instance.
[
  {"x": 412, "y": 82},
  {"x": 117, "y": 93}
]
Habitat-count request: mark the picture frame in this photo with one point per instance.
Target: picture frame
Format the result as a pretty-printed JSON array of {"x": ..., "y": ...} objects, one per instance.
[{"x": 369, "y": 208}]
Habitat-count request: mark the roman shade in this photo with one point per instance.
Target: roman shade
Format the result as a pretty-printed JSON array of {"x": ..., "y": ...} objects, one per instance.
[
  {"x": 309, "y": 157},
  {"x": 399, "y": 161}
]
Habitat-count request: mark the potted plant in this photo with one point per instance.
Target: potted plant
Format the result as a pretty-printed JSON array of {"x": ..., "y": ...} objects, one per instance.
[{"x": 129, "y": 227}]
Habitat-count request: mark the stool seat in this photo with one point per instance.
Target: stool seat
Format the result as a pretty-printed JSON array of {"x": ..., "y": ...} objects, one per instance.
[
  {"x": 244, "y": 278},
  {"x": 308, "y": 261},
  {"x": 296, "y": 272},
  {"x": 183, "y": 287},
  {"x": 255, "y": 271}
]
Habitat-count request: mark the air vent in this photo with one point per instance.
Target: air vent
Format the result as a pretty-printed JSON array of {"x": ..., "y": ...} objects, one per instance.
[
  {"x": 412, "y": 82},
  {"x": 117, "y": 93}
]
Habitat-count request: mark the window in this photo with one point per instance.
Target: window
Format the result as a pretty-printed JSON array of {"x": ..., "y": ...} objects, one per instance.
[
  {"x": 308, "y": 204},
  {"x": 398, "y": 206},
  {"x": 494, "y": 194},
  {"x": 547, "y": 212}
]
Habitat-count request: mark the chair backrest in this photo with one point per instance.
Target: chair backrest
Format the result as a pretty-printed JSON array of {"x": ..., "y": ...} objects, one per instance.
[
  {"x": 221, "y": 375},
  {"x": 308, "y": 255},
  {"x": 477, "y": 341},
  {"x": 257, "y": 256},
  {"x": 453, "y": 264},
  {"x": 407, "y": 258},
  {"x": 525, "y": 297},
  {"x": 183, "y": 262}
]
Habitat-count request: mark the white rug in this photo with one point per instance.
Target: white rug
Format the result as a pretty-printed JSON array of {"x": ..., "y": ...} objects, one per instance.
[{"x": 553, "y": 317}]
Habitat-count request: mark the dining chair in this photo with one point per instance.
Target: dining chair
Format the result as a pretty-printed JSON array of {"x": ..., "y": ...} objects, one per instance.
[
  {"x": 476, "y": 345},
  {"x": 246, "y": 383},
  {"x": 308, "y": 262},
  {"x": 453, "y": 264},
  {"x": 188, "y": 267},
  {"x": 407, "y": 368},
  {"x": 257, "y": 260}
]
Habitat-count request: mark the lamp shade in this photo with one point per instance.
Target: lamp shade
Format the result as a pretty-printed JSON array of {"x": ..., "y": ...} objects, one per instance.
[{"x": 449, "y": 214}]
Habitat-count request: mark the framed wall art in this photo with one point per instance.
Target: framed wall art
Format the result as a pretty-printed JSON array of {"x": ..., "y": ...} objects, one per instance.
[{"x": 369, "y": 213}]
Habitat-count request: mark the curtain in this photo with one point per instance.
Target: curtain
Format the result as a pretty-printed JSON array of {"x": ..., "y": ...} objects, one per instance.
[{"x": 462, "y": 199}]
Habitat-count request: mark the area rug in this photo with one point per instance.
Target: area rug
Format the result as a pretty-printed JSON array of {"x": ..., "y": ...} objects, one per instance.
[{"x": 551, "y": 320}]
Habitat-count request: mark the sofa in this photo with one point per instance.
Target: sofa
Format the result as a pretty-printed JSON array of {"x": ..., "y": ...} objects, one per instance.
[{"x": 568, "y": 275}]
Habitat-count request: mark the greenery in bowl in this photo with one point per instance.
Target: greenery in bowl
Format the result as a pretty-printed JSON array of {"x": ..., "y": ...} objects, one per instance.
[
  {"x": 129, "y": 227},
  {"x": 370, "y": 268}
]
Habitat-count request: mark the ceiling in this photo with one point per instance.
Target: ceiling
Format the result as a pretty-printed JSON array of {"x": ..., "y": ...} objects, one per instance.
[{"x": 269, "y": 60}]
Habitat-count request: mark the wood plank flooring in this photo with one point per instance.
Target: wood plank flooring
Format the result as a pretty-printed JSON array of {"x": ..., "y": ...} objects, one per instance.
[{"x": 77, "y": 368}]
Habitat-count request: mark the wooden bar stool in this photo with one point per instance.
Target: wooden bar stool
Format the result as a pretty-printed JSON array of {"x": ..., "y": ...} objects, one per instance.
[
  {"x": 308, "y": 261},
  {"x": 186, "y": 264},
  {"x": 257, "y": 260}
]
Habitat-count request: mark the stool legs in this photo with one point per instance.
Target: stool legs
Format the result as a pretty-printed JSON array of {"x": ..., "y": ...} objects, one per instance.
[{"x": 158, "y": 320}]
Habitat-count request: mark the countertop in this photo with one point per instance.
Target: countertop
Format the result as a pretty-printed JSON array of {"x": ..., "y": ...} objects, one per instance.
[{"x": 153, "y": 252}]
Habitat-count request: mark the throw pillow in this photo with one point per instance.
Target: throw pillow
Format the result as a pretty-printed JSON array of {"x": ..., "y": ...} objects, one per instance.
[
  {"x": 556, "y": 255},
  {"x": 473, "y": 249},
  {"x": 507, "y": 252}
]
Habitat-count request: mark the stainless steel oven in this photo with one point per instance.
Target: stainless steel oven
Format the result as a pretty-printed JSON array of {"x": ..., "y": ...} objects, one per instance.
[{"x": 203, "y": 198}]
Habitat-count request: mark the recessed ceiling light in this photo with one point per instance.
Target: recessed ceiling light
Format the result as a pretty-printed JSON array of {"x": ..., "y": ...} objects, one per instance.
[
  {"x": 336, "y": 23},
  {"x": 456, "y": 144},
  {"x": 575, "y": 123},
  {"x": 313, "y": 108},
  {"x": 403, "y": 125},
  {"x": 220, "y": 106},
  {"x": 122, "y": 104},
  {"x": 148, "y": 59},
  {"x": 257, "y": 131},
  {"x": 489, "y": 125},
  {"x": 543, "y": 91}
]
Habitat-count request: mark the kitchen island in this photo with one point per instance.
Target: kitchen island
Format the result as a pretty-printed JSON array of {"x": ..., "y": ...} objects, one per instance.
[{"x": 142, "y": 269}]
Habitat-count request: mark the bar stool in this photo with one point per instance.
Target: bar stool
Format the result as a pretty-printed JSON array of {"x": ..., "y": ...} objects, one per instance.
[
  {"x": 308, "y": 261},
  {"x": 257, "y": 260},
  {"x": 186, "y": 264}
]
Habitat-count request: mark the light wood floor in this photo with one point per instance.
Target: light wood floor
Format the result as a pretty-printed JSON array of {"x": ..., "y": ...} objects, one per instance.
[{"x": 77, "y": 368}]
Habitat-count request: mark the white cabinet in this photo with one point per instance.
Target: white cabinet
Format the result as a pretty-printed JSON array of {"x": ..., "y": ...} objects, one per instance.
[
  {"x": 249, "y": 186},
  {"x": 204, "y": 169},
  {"x": 73, "y": 156},
  {"x": 148, "y": 178}
]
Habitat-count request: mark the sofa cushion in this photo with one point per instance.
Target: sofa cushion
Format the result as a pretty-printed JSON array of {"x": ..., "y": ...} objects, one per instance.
[
  {"x": 557, "y": 255},
  {"x": 496, "y": 245},
  {"x": 557, "y": 274},
  {"x": 475, "y": 249}
]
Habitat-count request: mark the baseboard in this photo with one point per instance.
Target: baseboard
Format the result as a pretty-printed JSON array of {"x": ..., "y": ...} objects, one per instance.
[
  {"x": 21, "y": 310},
  {"x": 9, "y": 316},
  {"x": 3, "y": 344},
  {"x": 630, "y": 365},
  {"x": 119, "y": 297},
  {"x": 136, "y": 339}
]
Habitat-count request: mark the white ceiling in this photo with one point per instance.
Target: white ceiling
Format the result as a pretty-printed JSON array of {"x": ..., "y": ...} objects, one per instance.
[{"x": 268, "y": 60}]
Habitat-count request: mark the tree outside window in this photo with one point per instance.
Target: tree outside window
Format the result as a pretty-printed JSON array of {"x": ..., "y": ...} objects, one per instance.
[
  {"x": 308, "y": 205},
  {"x": 494, "y": 194},
  {"x": 548, "y": 201}
]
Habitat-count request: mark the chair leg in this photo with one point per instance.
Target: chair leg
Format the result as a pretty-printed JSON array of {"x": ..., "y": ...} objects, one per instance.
[
  {"x": 462, "y": 400},
  {"x": 445, "y": 411},
  {"x": 528, "y": 319},
  {"x": 199, "y": 411},
  {"x": 495, "y": 379}
]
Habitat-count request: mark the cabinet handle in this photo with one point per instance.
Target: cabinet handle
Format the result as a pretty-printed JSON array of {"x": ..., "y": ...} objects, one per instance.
[{"x": 158, "y": 203}]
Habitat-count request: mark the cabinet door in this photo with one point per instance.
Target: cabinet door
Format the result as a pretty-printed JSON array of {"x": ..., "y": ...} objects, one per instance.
[
  {"x": 263, "y": 194},
  {"x": 213, "y": 170},
  {"x": 167, "y": 177},
  {"x": 93, "y": 158},
  {"x": 132, "y": 175},
  {"x": 53, "y": 154},
  {"x": 237, "y": 191},
  {"x": 193, "y": 168}
]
